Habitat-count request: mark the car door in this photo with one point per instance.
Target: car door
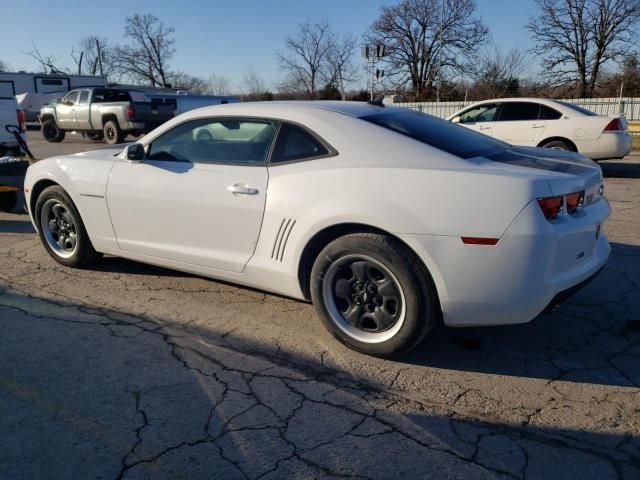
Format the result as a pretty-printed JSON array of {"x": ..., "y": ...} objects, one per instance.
[
  {"x": 519, "y": 123},
  {"x": 199, "y": 195},
  {"x": 66, "y": 111},
  {"x": 479, "y": 118},
  {"x": 82, "y": 111}
]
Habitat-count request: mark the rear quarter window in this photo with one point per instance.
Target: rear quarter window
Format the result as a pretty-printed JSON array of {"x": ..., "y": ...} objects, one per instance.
[{"x": 440, "y": 134}]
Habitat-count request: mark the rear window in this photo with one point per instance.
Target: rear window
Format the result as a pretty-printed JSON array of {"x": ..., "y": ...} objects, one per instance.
[
  {"x": 104, "y": 95},
  {"x": 578, "y": 109},
  {"x": 443, "y": 135}
]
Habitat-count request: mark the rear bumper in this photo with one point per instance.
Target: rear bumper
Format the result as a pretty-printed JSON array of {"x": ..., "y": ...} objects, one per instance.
[
  {"x": 608, "y": 145},
  {"x": 568, "y": 293},
  {"x": 515, "y": 280}
]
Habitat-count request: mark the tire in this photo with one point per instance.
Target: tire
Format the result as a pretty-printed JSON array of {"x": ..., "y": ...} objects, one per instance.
[
  {"x": 8, "y": 201},
  {"x": 96, "y": 136},
  {"x": 51, "y": 132},
  {"x": 345, "y": 278},
  {"x": 112, "y": 133},
  {"x": 558, "y": 145},
  {"x": 55, "y": 213}
]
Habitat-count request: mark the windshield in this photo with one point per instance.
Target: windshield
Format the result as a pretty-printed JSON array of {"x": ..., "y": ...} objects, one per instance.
[
  {"x": 578, "y": 109},
  {"x": 443, "y": 135}
]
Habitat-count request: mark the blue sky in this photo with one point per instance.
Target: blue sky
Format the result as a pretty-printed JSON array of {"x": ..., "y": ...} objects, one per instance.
[{"x": 222, "y": 37}]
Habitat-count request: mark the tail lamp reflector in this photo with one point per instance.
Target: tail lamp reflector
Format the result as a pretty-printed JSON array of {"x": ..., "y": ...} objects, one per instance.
[{"x": 479, "y": 240}]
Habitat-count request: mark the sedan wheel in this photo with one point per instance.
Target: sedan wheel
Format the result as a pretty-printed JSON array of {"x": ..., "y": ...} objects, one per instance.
[{"x": 372, "y": 294}]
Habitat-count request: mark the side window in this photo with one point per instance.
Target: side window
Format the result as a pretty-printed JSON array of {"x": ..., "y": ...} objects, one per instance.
[
  {"x": 518, "y": 111},
  {"x": 215, "y": 140},
  {"x": 548, "y": 113},
  {"x": 71, "y": 98},
  {"x": 295, "y": 143},
  {"x": 84, "y": 97},
  {"x": 481, "y": 113}
]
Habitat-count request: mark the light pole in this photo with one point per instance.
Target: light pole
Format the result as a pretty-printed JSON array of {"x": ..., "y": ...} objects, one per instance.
[{"x": 372, "y": 54}]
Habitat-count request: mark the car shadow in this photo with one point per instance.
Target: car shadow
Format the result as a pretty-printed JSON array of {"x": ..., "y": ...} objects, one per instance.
[
  {"x": 580, "y": 341},
  {"x": 620, "y": 169},
  {"x": 200, "y": 400}
]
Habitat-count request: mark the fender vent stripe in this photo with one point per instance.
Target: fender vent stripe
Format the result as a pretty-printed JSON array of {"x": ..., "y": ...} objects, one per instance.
[{"x": 282, "y": 237}]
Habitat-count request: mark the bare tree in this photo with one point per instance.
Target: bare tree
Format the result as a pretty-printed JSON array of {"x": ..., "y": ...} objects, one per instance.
[
  {"x": 254, "y": 87},
  {"x": 339, "y": 67},
  {"x": 147, "y": 58},
  {"x": 497, "y": 74},
  {"x": 577, "y": 37},
  {"x": 48, "y": 62},
  {"x": 425, "y": 36},
  {"x": 191, "y": 83},
  {"x": 91, "y": 56},
  {"x": 218, "y": 85},
  {"x": 4, "y": 67},
  {"x": 304, "y": 57}
]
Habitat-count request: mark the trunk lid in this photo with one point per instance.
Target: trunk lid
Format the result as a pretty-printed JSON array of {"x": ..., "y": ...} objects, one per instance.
[{"x": 565, "y": 172}]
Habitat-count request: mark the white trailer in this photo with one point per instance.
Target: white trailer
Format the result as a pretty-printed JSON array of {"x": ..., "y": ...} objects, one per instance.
[{"x": 33, "y": 90}]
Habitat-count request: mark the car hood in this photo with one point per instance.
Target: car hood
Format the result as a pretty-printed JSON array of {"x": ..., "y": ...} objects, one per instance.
[{"x": 101, "y": 153}]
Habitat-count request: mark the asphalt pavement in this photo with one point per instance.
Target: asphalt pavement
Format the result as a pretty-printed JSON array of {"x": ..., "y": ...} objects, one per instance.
[{"x": 124, "y": 370}]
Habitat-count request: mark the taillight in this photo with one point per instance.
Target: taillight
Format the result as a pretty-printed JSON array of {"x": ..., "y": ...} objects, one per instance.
[
  {"x": 131, "y": 113},
  {"x": 21, "y": 121},
  {"x": 574, "y": 200},
  {"x": 614, "y": 125},
  {"x": 550, "y": 206}
]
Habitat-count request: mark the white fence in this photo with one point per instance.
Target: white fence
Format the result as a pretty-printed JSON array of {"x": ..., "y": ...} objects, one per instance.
[{"x": 629, "y": 106}]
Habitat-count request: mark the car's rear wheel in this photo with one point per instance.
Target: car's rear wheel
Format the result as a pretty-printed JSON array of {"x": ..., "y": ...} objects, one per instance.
[
  {"x": 51, "y": 132},
  {"x": 112, "y": 133},
  {"x": 61, "y": 229},
  {"x": 558, "y": 145},
  {"x": 372, "y": 295}
]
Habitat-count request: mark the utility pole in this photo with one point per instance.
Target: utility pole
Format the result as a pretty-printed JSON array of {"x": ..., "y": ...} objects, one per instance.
[
  {"x": 440, "y": 54},
  {"x": 99, "y": 57},
  {"x": 373, "y": 54}
]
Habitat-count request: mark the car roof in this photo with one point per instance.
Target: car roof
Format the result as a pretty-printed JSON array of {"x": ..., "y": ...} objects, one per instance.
[
  {"x": 353, "y": 109},
  {"x": 544, "y": 101}
]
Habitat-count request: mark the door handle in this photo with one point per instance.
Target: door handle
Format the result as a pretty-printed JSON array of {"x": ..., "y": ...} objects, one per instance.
[
  {"x": 241, "y": 189},
  {"x": 537, "y": 125},
  {"x": 485, "y": 127}
]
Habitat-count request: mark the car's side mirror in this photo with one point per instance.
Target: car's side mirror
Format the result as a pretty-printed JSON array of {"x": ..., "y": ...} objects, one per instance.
[
  {"x": 134, "y": 152},
  {"x": 456, "y": 119}
]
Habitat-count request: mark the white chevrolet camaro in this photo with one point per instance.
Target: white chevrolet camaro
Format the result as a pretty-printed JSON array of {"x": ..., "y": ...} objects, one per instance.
[
  {"x": 539, "y": 122},
  {"x": 389, "y": 220}
]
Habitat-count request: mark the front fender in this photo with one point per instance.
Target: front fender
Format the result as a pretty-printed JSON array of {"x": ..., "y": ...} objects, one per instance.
[{"x": 86, "y": 186}]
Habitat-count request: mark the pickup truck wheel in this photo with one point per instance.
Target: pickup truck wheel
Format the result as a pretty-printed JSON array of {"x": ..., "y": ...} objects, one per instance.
[
  {"x": 96, "y": 137},
  {"x": 112, "y": 133},
  {"x": 51, "y": 132}
]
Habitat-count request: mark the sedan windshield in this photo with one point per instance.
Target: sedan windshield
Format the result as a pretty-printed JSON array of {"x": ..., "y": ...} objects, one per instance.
[{"x": 443, "y": 135}]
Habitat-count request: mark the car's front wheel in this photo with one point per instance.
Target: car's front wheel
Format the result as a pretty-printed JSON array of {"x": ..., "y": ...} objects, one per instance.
[
  {"x": 372, "y": 295},
  {"x": 61, "y": 229}
]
